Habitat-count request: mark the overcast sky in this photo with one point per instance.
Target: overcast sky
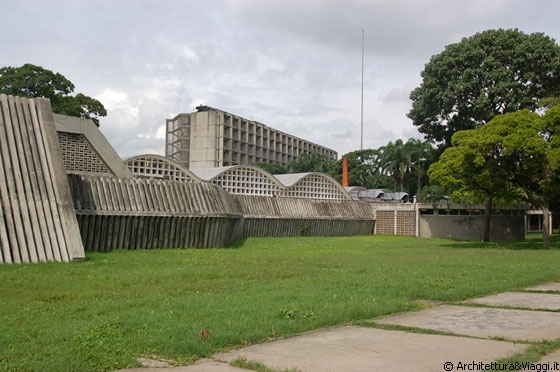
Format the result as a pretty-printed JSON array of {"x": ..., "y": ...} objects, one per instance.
[{"x": 292, "y": 65}]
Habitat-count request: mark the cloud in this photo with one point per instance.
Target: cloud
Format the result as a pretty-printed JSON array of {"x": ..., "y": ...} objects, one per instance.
[
  {"x": 292, "y": 65},
  {"x": 111, "y": 98},
  {"x": 395, "y": 95}
]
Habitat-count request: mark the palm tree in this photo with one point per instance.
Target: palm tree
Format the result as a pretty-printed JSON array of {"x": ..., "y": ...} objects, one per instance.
[
  {"x": 310, "y": 162},
  {"x": 395, "y": 160},
  {"x": 400, "y": 160},
  {"x": 421, "y": 155}
]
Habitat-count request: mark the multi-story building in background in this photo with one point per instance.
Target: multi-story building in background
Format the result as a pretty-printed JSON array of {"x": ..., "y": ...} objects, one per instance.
[{"x": 212, "y": 138}]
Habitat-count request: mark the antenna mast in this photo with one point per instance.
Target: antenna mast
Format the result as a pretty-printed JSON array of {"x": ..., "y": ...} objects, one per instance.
[{"x": 362, "y": 100}]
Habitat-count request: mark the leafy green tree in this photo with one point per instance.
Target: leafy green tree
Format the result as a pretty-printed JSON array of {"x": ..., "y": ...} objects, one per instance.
[
  {"x": 310, "y": 162},
  {"x": 272, "y": 168},
  {"x": 432, "y": 194},
  {"x": 531, "y": 157},
  {"x": 544, "y": 105},
  {"x": 35, "y": 81},
  {"x": 515, "y": 154},
  {"x": 471, "y": 165},
  {"x": 493, "y": 72},
  {"x": 364, "y": 169}
]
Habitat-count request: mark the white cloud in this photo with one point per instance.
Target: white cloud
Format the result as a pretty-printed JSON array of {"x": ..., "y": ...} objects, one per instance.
[
  {"x": 190, "y": 55},
  {"x": 111, "y": 98},
  {"x": 293, "y": 65}
]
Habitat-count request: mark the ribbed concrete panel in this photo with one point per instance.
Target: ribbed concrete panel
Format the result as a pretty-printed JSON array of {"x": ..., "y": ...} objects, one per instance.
[
  {"x": 140, "y": 213},
  {"x": 266, "y": 207},
  {"x": 96, "y": 194},
  {"x": 266, "y": 217},
  {"x": 37, "y": 220}
]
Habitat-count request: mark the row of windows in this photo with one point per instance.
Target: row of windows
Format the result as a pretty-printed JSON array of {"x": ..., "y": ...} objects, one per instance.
[
  {"x": 239, "y": 130},
  {"x": 264, "y": 148},
  {"x": 237, "y": 158}
]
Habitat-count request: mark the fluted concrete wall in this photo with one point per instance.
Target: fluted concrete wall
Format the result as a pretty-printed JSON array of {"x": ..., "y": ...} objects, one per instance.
[
  {"x": 134, "y": 213},
  {"x": 265, "y": 216},
  {"x": 262, "y": 206},
  {"x": 279, "y": 227},
  {"x": 121, "y": 213},
  {"x": 37, "y": 220}
]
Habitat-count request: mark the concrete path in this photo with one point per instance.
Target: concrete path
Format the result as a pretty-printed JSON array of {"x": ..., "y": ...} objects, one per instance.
[
  {"x": 525, "y": 300},
  {"x": 484, "y": 330},
  {"x": 360, "y": 349},
  {"x": 509, "y": 324}
]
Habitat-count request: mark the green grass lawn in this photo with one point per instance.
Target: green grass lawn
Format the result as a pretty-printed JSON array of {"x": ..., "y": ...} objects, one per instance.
[{"x": 104, "y": 312}]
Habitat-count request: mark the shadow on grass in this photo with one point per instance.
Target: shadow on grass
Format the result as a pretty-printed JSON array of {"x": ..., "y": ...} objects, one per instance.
[
  {"x": 533, "y": 241},
  {"x": 237, "y": 244}
]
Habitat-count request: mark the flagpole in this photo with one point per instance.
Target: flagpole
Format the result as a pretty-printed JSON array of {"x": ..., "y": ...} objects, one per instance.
[{"x": 362, "y": 100}]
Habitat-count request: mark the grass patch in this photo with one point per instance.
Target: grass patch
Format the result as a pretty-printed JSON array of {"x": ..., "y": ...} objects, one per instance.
[
  {"x": 257, "y": 366},
  {"x": 531, "y": 356},
  {"x": 102, "y": 313}
]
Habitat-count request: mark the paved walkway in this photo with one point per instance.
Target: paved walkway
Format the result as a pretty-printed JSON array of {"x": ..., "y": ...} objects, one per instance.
[{"x": 499, "y": 326}]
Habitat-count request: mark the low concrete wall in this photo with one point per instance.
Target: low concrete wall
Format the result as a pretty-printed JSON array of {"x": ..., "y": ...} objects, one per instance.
[
  {"x": 278, "y": 227},
  {"x": 132, "y": 213},
  {"x": 109, "y": 232},
  {"x": 136, "y": 213},
  {"x": 471, "y": 227},
  {"x": 266, "y": 216}
]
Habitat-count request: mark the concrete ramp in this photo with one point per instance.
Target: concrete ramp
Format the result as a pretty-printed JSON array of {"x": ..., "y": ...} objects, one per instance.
[{"x": 37, "y": 218}]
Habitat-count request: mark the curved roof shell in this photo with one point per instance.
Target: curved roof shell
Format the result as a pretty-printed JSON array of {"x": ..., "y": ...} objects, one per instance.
[
  {"x": 312, "y": 185},
  {"x": 157, "y": 166},
  {"x": 242, "y": 179}
]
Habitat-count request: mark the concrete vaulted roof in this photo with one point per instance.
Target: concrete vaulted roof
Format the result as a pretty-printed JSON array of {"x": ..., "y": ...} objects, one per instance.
[
  {"x": 210, "y": 174},
  {"x": 283, "y": 180},
  {"x": 157, "y": 166},
  {"x": 292, "y": 179}
]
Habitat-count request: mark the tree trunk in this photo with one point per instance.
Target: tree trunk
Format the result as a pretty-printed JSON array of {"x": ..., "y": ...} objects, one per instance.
[
  {"x": 487, "y": 219},
  {"x": 546, "y": 227}
]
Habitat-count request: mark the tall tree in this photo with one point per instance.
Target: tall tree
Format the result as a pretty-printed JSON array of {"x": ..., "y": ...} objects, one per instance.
[
  {"x": 515, "y": 154},
  {"x": 531, "y": 156},
  {"x": 364, "y": 169},
  {"x": 405, "y": 162},
  {"x": 395, "y": 161},
  {"x": 310, "y": 162},
  {"x": 493, "y": 72},
  {"x": 421, "y": 156},
  {"x": 35, "y": 81},
  {"x": 272, "y": 168},
  {"x": 471, "y": 165}
]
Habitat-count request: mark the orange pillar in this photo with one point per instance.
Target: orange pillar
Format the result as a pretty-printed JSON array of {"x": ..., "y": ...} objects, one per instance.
[{"x": 345, "y": 172}]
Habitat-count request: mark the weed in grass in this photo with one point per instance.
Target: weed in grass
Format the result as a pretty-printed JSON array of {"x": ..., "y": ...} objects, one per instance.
[
  {"x": 303, "y": 227},
  {"x": 288, "y": 313}
]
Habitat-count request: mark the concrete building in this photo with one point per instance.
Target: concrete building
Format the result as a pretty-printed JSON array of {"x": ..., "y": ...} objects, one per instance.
[{"x": 214, "y": 138}]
